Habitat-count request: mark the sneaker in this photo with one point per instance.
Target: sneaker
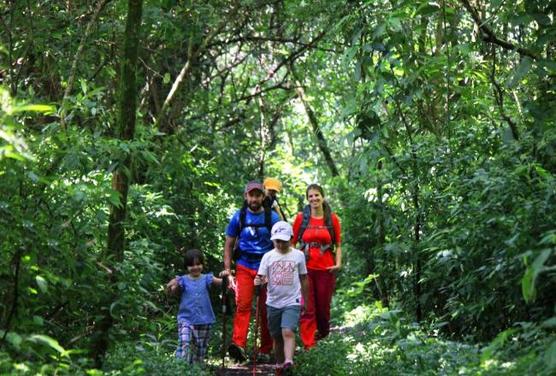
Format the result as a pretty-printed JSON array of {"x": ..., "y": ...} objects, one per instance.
[
  {"x": 287, "y": 369},
  {"x": 237, "y": 353}
]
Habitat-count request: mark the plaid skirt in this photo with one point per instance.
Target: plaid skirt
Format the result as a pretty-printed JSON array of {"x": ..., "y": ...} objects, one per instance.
[{"x": 190, "y": 338}]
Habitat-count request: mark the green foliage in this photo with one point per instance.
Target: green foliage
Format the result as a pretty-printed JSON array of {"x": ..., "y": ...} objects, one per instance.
[
  {"x": 375, "y": 341},
  {"x": 445, "y": 144},
  {"x": 146, "y": 359}
]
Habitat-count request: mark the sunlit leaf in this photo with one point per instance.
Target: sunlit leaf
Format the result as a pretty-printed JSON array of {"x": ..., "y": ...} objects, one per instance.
[
  {"x": 46, "y": 340},
  {"x": 529, "y": 278},
  {"x": 42, "y": 283},
  {"x": 44, "y": 108}
]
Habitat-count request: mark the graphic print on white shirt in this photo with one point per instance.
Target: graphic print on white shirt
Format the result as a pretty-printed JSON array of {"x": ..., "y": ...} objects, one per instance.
[{"x": 282, "y": 273}]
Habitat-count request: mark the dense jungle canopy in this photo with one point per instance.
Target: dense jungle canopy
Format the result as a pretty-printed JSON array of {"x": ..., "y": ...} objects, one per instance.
[{"x": 128, "y": 130}]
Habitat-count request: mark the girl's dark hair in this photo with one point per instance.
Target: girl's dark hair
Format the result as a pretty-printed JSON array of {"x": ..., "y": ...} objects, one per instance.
[
  {"x": 191, "y": 256},
  {"x": 325, "y": 206}
]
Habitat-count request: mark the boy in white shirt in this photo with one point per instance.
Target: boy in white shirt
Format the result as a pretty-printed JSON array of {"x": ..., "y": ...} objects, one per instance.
[{"x": 285, "y": 270}]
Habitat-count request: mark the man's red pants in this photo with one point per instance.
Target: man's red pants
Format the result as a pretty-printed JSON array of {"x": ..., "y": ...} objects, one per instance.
[{"x": 245, "y": 290}]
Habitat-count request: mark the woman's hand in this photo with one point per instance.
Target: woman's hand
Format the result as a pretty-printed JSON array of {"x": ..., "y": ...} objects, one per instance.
[{"x": 334, "y": 268}]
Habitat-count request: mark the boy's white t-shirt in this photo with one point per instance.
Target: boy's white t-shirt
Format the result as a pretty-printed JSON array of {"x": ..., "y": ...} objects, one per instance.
[{"x": 282, "y": 271}]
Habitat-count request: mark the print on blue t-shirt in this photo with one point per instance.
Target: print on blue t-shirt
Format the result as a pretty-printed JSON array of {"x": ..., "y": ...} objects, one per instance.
[{"x": 254, "y": 242}]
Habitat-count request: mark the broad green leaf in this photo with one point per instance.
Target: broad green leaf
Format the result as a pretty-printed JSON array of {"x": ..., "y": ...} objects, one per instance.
[
  {"x": 520, "y": 72},
  {"x": 166, "y": 78},
  {"x": 542, "y": 172},
  {"x": 550, "y": 356},
  {"x": 46, "y": 340},
  {"x": 550, "y": 323},
  {"x": 44, "y": 108},
  {"x": 499, "y": 341},
  {"x": 531, "y": 274},
  {"x": 152, "y": 305},
  {"x": 13, "y": 338},
  {"x": 83, "y": 86},
  {"x": 427, "y": 9},
  {"x": 148, "y": 156},
  {"x": 38, "y": 320},
  {"x": 114, "y": 198},
  {"x": 42, "y": 283}
]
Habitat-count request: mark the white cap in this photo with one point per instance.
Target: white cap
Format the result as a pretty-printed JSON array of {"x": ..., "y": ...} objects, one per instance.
[{"x": 281, "y": 230}]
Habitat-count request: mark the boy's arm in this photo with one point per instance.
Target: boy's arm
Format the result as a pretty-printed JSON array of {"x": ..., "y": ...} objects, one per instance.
[
  {"x": 261, "y": 273},
  {"x": 304, "y": 290}
]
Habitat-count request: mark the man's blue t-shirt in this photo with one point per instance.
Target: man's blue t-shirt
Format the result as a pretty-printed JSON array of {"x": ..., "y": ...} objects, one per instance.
[
  {"x": 195, "y": 306},
  {"x": 254, "y": 242}
]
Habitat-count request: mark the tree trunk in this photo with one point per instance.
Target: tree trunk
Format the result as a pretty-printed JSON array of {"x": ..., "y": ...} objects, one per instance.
[
  {"x": 120, "y": 180},
  {"x": 321, "y": 141}
]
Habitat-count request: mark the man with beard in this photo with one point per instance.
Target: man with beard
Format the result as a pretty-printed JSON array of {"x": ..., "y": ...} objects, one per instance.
[{"x": 247, "y": 240}]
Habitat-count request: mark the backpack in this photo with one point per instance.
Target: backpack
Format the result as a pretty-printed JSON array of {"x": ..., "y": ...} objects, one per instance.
[
  {"x": 327, "y": 223},
  {"x": 268, "y": 202}
]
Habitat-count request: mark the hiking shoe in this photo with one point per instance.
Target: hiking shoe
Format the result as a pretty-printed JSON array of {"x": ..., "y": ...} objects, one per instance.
[
  {"x": 237, "y": 353},
  {"x": 264, "y": 358},
  {"x": 287, "y": 369},
  {"x": 317, "y": 335}
]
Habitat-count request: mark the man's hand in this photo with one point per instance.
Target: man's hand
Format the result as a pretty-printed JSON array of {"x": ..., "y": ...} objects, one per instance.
[{"x": 224, "y": 273}]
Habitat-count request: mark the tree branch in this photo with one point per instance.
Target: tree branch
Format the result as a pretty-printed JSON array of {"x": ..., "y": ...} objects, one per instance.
[
  {"x": 499, "y": 97},
  {"x": 321, "y": 141},
  {"x": 489, "y": 36},
  {"x": 191, "y": 55},
  {"x": 100, "y": 5}
]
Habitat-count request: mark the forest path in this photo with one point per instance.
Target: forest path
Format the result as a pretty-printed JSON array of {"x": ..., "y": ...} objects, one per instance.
[
  {"x": 247, "y": 369},
  {"x": 262, "y": 368}
]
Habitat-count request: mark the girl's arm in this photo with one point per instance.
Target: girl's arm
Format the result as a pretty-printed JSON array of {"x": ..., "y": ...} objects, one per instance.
[
  {"x": 216, "y": 281},
  {"x": 220, "y": 279},
  {"x": 173, "y": 287}
]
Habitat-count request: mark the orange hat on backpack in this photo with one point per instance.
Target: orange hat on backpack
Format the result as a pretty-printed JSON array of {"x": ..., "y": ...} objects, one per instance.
[{"x": 272, "y": 183}]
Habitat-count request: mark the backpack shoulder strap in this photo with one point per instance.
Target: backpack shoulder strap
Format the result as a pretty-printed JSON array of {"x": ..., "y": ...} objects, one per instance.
[
  {"x": 305, "y": 222},
  {"x": 242, "y": 216},
  {"x": 328, "y": 223},
  {"x": 268, "y": 217},
  {"x": 279, "y": 210},
  {"x": 330, "y": 226}
]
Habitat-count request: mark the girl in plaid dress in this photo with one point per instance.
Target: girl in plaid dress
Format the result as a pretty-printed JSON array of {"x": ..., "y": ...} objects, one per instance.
[{"x": 195, "y": 315}]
